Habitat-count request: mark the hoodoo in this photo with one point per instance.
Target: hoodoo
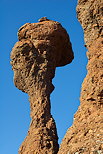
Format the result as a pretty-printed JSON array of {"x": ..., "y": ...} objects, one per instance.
[{"x": 41, "y": 48}]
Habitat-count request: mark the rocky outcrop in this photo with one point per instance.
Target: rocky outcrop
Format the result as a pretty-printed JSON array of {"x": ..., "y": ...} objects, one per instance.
[
  {"x": 42, "y": 47},
  {"x": 86, "y": 134}
]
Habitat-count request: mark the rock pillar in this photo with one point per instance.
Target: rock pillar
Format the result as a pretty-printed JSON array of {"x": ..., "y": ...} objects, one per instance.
[{"x": 41, "y": 48}]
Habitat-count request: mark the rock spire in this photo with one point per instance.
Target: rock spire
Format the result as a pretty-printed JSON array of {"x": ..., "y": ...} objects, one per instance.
[{"x": 41, "y": 48}]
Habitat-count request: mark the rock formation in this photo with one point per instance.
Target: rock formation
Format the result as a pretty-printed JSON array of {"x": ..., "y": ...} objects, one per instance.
[
  {"x": 42, "y": 47},
  {"x": 86, "y": 134}
]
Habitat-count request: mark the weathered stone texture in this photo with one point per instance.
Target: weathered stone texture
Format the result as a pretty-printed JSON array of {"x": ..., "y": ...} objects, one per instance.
[
  {"x": 41, "y": 48},
  {"x": 86, "y": 134},
  {"x": 90, "y": 15}
]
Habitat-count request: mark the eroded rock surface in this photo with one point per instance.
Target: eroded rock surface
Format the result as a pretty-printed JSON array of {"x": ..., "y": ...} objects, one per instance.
[
  {"x": 41, "y": 48},
  {"x": 86, "y": 134}
]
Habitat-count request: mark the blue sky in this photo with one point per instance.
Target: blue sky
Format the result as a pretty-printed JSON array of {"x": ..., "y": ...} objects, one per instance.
[{"x": 14, "y": 104}]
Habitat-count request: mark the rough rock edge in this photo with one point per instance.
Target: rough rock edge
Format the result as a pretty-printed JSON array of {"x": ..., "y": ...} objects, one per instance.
[{"x": 86, "y": 134}]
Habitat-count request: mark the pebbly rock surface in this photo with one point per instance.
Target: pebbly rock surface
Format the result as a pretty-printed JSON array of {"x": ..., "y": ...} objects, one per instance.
[
  {"x": 86, "y": 134},
  {"x": 41, "y": 48}
]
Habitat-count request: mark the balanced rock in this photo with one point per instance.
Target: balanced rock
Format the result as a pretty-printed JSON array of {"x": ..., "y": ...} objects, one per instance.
[{"x": 42, "y": 47}]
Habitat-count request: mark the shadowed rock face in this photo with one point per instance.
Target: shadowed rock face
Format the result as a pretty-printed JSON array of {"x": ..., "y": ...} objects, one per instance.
[
  {"x": 86, "y": 134},
  {"x": 41, "y": 48}
]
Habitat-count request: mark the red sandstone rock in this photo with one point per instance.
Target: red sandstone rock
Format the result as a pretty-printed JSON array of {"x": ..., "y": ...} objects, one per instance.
[
  {"x": 86, "y": 134},
  {"x": 41, "y": 48}
]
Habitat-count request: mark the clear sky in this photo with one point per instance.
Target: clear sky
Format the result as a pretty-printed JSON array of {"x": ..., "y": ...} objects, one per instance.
[{"x": 14, "y": 104}]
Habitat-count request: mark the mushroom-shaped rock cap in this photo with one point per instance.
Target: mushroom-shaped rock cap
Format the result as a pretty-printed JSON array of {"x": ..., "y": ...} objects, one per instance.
[{"x": 52, "y": 32}]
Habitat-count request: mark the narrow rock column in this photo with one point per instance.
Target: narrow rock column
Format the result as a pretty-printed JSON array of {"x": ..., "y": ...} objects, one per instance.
[
  {"x": 41, "y": 48},
  {"x": 86, "y": 134}
]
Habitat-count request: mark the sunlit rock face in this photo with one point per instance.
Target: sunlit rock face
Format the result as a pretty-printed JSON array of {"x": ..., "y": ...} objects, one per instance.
[
  {"x": 86, "y": 134},
  {"x": 41, "y": 48}
]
